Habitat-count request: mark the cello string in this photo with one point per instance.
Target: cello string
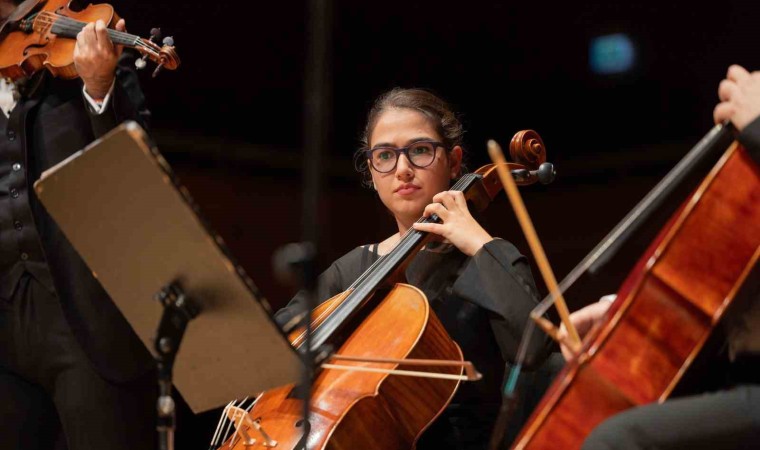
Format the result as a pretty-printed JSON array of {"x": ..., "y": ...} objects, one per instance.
[
  {"x": 402, "y": 247},
  {"x": 411, "y": 233},
  {"x": 219, "y": 425},
  {"x": 599, "y": 251},
  {"x": 402, "y": 244},
  {"x": 230, "y": 422},
  {"x": 403, "y": 241},
  {"x": 611, "y": 240},
  {"x": 243, "y": 416}
]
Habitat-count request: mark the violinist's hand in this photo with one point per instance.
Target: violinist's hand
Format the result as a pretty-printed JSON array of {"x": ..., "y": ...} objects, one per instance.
[
  {"x": 95, "y": 58},
  {"x": 583, "y": 320},
  {"x": 739, "y": 97},
  {"x": 458, "y": 227}
]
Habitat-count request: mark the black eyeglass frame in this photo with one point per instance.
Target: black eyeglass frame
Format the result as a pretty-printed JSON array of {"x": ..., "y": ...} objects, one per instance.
[{"x": 405, "y": 151}]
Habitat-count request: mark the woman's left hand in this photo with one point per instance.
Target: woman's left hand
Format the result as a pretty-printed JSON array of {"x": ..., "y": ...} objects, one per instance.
[{"x": 458, "y": 227}]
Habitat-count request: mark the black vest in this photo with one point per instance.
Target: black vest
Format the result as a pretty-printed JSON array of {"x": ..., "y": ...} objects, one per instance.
[{"x": 19, "y": 239}]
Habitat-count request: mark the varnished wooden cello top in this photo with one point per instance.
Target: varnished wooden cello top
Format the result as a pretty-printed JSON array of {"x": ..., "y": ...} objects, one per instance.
[{"x": 664, "y": 312}]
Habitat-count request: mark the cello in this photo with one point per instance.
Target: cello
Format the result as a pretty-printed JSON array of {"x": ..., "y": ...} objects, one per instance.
[
  {"x": 359, "y": 398},
  {"x": 665, "y": 310}
]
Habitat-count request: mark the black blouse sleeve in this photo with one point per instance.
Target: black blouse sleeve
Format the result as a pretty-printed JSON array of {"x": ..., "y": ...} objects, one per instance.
[
  {"x": 498, "y": 278},
  {"x": 750, "y": 138}
]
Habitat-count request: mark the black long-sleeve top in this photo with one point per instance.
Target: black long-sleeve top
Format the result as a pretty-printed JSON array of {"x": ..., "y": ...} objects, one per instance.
[{"x": 483, "y": 301}]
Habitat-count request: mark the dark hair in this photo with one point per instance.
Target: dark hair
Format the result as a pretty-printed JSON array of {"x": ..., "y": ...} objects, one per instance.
[{"x": 438, "y": 111}]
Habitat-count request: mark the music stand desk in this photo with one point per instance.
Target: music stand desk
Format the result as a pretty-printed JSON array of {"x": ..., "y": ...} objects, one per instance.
[{"x": 118, "y": 204}]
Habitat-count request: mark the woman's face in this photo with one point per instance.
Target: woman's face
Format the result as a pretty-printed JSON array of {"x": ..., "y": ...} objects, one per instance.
[{"x": 407, "y": 189}]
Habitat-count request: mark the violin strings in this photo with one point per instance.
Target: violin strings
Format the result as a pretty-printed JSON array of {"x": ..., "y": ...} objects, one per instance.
[
  {"x": 76, "y": 23},
  {"x": 73, "y": 29},
  {"x": 66, "y": 24}
]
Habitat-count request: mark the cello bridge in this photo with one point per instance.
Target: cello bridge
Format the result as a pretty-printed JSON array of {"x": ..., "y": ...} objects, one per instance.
[{"x": 243, "y": 424}]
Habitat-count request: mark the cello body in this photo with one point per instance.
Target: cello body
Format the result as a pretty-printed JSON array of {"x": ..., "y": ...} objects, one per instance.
[
  {"x": 664, "y": 312},
  {"x": 353, "y": 410}
]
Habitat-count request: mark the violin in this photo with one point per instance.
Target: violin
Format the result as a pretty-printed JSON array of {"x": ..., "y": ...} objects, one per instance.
[
  {"x": 41, "y": 34},
  {"x": 359, "y": 397},
  {"x": 665, "y": 310}
]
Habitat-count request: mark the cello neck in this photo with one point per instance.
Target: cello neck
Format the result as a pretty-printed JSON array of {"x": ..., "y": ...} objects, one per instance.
[{"x": 380, "y": 275}]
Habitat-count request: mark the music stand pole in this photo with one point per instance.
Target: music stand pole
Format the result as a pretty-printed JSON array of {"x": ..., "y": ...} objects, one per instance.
[{"x": 178, "y": 311}]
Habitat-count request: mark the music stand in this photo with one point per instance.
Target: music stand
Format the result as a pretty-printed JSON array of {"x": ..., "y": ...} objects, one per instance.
[{"x": 119, "y": 205}]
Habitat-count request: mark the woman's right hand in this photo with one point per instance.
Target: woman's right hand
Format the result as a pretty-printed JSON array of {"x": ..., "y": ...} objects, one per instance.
[{"x": 583, "y": 320}]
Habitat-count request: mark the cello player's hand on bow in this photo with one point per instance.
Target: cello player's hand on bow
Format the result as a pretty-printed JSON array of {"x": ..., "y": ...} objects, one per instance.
[
  {"x": 96, "y": 56},
  {"x": 458, "y": 227},
  {"x": 584, "y": 320},
  {"x": 739, "y": 97}
]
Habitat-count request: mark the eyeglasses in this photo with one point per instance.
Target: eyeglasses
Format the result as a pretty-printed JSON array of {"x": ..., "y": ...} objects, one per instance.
[{"x": 421, "y": 154}]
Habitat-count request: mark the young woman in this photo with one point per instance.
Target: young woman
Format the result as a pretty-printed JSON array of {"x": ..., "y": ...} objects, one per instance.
[{"x": 480, "y": 287}]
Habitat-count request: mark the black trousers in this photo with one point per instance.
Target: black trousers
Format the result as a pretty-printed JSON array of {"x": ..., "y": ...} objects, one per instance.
[
  {"x": 50, "y": 395},
  {"x": 728, "y": 419}
]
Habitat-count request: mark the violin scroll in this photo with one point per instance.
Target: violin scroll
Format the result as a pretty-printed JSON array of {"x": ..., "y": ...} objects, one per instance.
[{"x": 165, "y": 56}]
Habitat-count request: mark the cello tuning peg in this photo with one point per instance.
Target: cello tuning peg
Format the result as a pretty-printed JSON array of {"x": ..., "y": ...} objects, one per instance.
[
  {"x": 155, "y": 34},
  {"x": 140, "y": 63},
  {"x": 169, "y": 41},
  {"x": 521, "y": 174},
  {"x": 546, "y": 173}
]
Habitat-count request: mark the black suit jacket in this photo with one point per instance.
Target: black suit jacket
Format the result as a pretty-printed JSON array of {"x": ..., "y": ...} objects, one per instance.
[{"x": 59, "y": 122}]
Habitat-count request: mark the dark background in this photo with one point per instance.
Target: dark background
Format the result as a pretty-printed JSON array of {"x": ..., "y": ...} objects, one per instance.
[{"x": 230, "y": 120}]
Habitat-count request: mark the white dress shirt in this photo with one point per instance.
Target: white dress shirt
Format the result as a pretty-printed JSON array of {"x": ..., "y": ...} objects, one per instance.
[{"x": 8, "y": 100}]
